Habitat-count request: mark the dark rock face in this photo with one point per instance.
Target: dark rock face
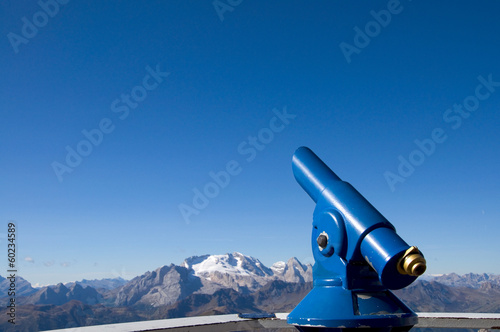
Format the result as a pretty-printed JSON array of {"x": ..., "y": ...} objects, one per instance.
[
  {"x": 431, "y": 296},
  {"x": 23, "y": 287},
  {"x": 164, "y": 286}
]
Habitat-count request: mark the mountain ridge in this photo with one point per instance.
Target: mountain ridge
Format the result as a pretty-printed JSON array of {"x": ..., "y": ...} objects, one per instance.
[{"x": 222, "y": 272}]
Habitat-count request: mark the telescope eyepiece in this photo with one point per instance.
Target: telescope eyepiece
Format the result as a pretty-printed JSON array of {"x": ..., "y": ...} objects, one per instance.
[{"x": 412, "y": 263}]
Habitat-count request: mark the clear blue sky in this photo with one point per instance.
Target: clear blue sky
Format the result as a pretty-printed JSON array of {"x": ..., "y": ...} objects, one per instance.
[{"x": 359, "y": 100}]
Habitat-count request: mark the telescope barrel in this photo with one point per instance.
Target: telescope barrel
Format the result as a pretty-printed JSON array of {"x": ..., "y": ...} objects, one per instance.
[{"x": 311, "y": 172}]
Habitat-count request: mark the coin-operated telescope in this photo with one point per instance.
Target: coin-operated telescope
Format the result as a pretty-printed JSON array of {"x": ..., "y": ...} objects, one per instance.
[{"x": 358, "y": 258}]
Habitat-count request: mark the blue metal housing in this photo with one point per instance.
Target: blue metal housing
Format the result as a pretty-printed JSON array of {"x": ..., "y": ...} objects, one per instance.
[{"x": 357, "y": 266}]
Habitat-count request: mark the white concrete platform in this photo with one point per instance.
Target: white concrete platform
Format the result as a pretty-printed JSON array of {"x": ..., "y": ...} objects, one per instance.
[{"x": 234, "y": 323}]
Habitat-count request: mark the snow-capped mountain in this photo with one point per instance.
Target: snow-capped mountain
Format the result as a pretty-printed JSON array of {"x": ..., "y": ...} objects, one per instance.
[
  {"x": 235, "y": 263},
  {"x": 242, "y": 273}
]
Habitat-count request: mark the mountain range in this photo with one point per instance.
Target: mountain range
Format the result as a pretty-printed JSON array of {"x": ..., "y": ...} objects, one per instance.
[
  {"x": 107, "y": 283},
  {"x": 469, "y": 280},
  {"x": 217, "y": 284},
  {"x": 206, "y": 275}
]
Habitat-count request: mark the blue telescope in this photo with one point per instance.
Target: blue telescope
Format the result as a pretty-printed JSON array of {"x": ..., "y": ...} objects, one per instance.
[{"x": 358, "y": 256}]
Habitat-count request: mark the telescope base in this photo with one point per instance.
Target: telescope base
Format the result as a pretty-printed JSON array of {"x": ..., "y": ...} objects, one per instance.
[{"x": 334, "y": 308}]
